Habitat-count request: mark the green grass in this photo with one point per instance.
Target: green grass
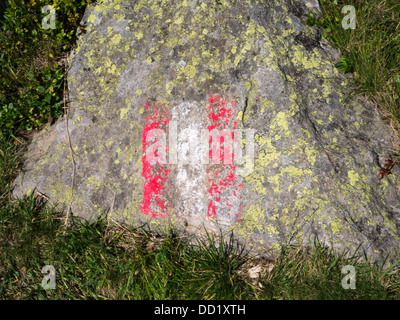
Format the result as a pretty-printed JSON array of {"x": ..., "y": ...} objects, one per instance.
[
  {"x": 100, "y": 261},
  {"x": 111, "y": 261},
  {"x": 32, "y": 61},
  {"x": 371, "y": 52}
]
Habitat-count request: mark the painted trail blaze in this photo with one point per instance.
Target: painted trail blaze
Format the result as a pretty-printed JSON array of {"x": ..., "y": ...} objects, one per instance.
[
  {"x": 225, "y": 188},
  {"x": 224, "y": 185},
  {"x": 155, "y": 169}
]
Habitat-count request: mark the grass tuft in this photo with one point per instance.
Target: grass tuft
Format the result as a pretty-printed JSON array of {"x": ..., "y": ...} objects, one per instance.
[{"x": 371, "y": 51}]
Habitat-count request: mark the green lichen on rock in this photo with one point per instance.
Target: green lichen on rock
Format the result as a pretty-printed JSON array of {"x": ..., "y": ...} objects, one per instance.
[{"x": 317, "y": 155}]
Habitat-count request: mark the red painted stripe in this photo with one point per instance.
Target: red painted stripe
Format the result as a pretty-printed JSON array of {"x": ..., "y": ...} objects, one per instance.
[{"x": 155, "y": 176}]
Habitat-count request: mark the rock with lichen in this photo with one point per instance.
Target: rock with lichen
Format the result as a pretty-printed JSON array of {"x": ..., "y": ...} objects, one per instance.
[{"x": 150, "y": 82}]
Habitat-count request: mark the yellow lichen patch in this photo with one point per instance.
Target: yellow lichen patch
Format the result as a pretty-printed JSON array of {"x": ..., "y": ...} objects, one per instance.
[
  {"x": 92, "y": 18},
  {"x": 326, "y": 89},
  {"x": 288, "y": 32},
  {"x": 138, "y": 35},
  {"x": 288, "y": 174},
  {"x": 280, "y": 123},
  {"x": 190, "y": 71},
  {"x": 252, "y": 220},
  {"x": 295, "y": 172},
  {"x": 336, "y": 226},
  {"x": 305, "y": 60},
  {"x": 116, "y": 39},
  {"x": 255, "y": 220},
  {"x": 123, "y": 113},
  {"x": 93, "y": 181},
  {"x": 266, "y": 104},
  {"x": 311, "y": 153},
  {"x": 354, "y": 177}
]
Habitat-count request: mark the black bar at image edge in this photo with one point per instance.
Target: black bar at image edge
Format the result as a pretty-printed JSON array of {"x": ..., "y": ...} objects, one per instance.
[{"x": 193, "y": 309}]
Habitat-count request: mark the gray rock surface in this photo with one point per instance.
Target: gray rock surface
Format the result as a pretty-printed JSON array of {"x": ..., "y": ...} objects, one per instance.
[{"x": 149, "y": 72}]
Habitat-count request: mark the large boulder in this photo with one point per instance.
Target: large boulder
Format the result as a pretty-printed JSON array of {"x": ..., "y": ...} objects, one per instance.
[{"x": 153, "y": 85}]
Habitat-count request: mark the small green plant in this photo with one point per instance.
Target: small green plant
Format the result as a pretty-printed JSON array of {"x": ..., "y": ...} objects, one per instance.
[
  {"x": 345, "y": 64},
  {"x": 326, "y": 22},
  {"x": 31, "y": 77}
]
